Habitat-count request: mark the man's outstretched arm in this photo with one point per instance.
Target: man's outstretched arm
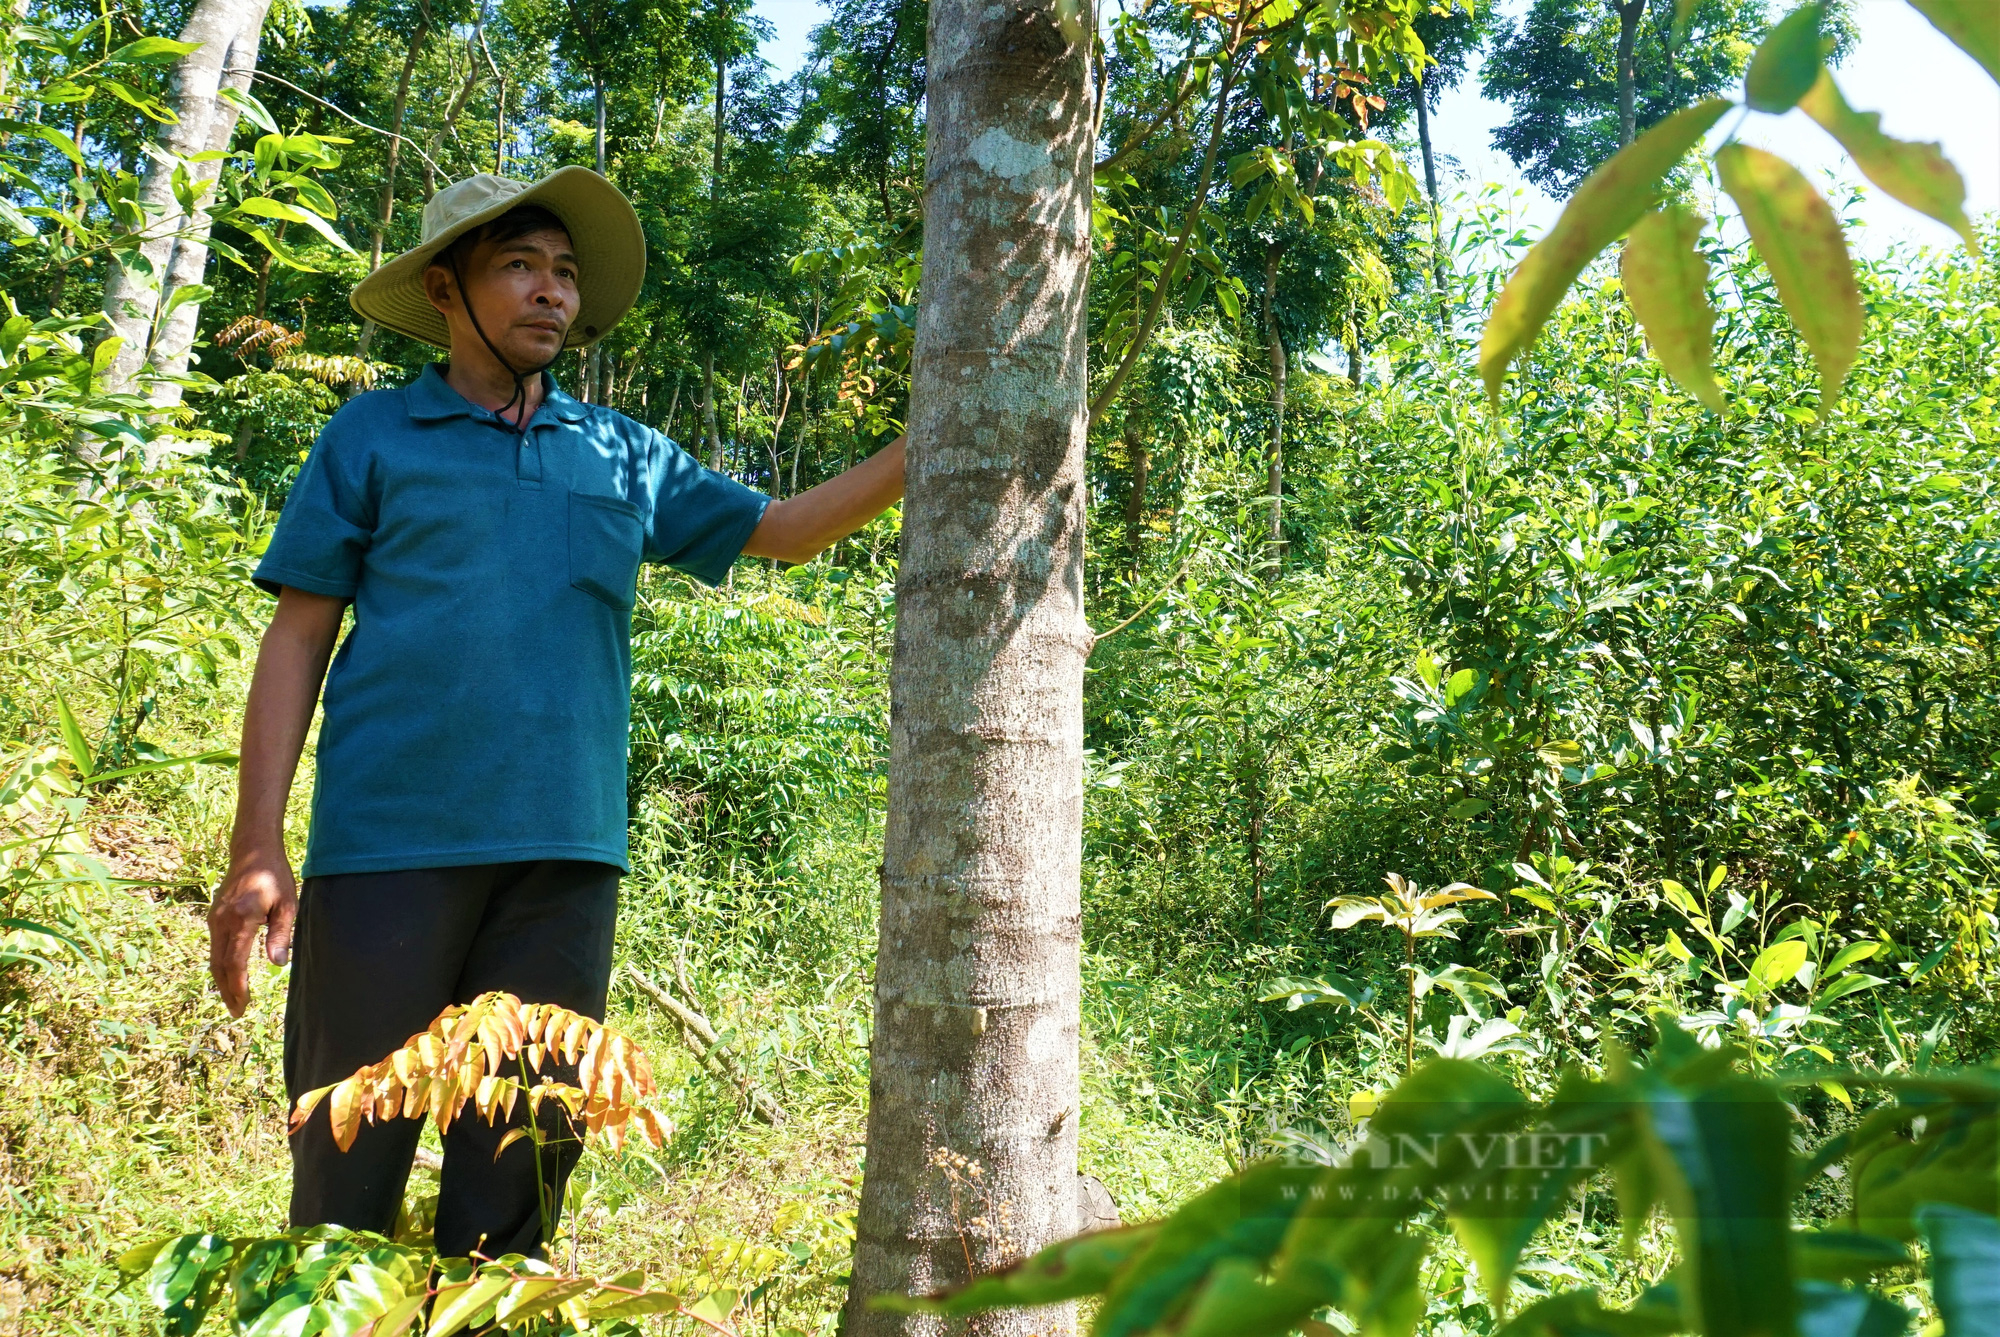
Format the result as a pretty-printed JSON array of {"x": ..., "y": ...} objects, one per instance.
[
  {"x": 799, "y": 528},
  {"x": 259, "y": 891}
]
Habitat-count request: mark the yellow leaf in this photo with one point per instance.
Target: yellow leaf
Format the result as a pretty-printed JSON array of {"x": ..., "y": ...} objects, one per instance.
[
  {"x": 1601, "y": 210},
  {"x": 1974, "y": 25},
  {"x": 1919, "y": 175},
  {"x": 573, "y": 1035},
  {"x": 587, "y": 1070},
  {"x": 307, "y": 1103},
  {"x": 485, "y": 1094},
  {"x": 344, "y": 1111},
  {"x": 404, "y": 1063},
  {"x": 1666, "y": 281},
  {"x": 1802, "y": 245}
]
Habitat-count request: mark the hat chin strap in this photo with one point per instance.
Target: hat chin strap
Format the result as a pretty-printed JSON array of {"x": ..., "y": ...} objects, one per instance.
[{"x": 520, "y": 396}]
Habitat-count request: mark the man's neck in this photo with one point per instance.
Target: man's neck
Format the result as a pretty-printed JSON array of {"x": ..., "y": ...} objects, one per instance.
[{"x": 483, "y": 381}]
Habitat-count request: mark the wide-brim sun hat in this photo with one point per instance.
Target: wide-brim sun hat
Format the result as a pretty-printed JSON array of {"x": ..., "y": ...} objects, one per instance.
[{"x": 603, "y": 231}]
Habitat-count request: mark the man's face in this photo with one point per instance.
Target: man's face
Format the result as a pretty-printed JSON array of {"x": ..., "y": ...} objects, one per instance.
[{"x": 523, "y": 290}]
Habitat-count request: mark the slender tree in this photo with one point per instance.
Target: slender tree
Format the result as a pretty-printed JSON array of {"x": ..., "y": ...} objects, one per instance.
[
  {"x": 392, "y": 151},
  {"x": 976, "y": 983},
  {"x": 175, "y": 250},
  {"x": 1274, "y": 345}
]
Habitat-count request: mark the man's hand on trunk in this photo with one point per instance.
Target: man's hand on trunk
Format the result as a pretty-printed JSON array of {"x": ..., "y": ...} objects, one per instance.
[{"x": 258, "y": 893}]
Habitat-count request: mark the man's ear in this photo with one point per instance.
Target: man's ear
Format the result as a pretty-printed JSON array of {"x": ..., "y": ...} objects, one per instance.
[{"x": 439, "y": 288}]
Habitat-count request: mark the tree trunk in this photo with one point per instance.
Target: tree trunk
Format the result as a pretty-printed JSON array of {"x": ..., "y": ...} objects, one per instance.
[
  {"x": 593, "y": 376},
  {"x": 1355, "y": 352},
  {"x": 449, "y": 124},
  {"x": 1274, "y": 473},
  {"x": 976, "y": 974},
  {"x": 1437, "y": 221},
  {"x": 1140, "y": 457},
  {"x": 708, "y": 427},
  {"x": 387, "y": 209},
  {"x": 721, "y": 102},
  {"x": 1629, "y": 15},
  {"x": 499, "y": 97},
  {"x": 175, "y": 249}
]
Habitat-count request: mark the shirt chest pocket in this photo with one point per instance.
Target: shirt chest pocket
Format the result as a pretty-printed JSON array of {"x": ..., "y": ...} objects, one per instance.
[{"x": 604, "y": 541}]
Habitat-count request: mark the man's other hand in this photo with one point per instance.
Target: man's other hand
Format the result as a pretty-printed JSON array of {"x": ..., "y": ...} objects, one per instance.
[{"x": 259, "y": 892}]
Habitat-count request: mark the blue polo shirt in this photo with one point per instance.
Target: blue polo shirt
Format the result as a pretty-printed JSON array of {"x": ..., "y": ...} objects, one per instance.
[{"x": 478, "y": 710}]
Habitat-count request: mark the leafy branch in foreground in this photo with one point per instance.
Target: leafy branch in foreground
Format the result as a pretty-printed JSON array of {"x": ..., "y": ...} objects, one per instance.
[
  {"x": 327, "y": 1280},
  {"x": 1456, "y": 1146},
  {"x": 1795, "y": 231},
  {"x": 341, "y": 1283},
  {"x": 465, "y": 1057}
]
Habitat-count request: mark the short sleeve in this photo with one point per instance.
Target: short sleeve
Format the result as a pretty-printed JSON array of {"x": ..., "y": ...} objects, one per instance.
[
  {"x": 324, "y": 529},
  {"x": 701, "y": 519}
]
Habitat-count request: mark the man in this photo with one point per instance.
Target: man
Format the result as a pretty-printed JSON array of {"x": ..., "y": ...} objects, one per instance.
[{"x": 468, "y": 825}]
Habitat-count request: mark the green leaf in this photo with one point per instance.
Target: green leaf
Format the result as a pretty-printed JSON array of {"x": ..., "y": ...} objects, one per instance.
[
  {"x": 249, "y": 106},
  {"x": 1973, "y": 25},
  {"x": 216, "y": 758},
  {"x": 1239, "y": 1302},
  {"x": 1613, "y": 199},
  {"x": 1802, "y": 245},
  {"x": 265, "y": 207},
  {"x": 290, "y": 1315},
  {"x": 182, "y": 296},
  {"x": 1580, "y": 1314},
  {"x": 1724, "y": 1154},
  {"x": 1850, "y": 983},
  {"x": 1776, "y": 965},
  {"x": 457, "y": 1306},
  {"x": 1460, "y": 683},
  {"x": 614, "y": 1305},
  {"x": 1086, "y": 1265},
  {"x": 1848, "y": 955},
  {"x": 80, "y": 754},
  {"x": 1467, "y": 807},
  {"x": 138, "y": 1260},
  {"x": 1666, "y": 281},
  {"x": 401, "y": 1316},
  {"x": 150, "y": 51},
  {"x": 715, "y": 1307},
  {"x": 1827, "y": 1310},
  {"x": 1330, "y": 989},
  {"x": 1787, "y": 61},
  {"x": 1683, "y": 15},
  {"x": 532, "y": 1296},
  {"x": 178, "y": 1282},
  {"x": 1919, "y": 175},
  {"x": 1243, "y": 1217},
  {"x": 1846, "y": 1255},
  {"x": 1953, "y": 1162},
  {"x": 1965, "y": 1268}
]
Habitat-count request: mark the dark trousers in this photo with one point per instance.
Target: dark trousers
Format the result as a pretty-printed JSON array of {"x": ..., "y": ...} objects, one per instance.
[{"x": 375, "y": 958}]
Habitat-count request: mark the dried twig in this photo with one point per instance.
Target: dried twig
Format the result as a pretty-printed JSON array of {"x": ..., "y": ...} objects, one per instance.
[{"x": 701, "y": 1038}]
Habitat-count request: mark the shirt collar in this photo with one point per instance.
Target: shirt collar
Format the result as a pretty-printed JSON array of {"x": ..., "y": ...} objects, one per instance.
[{"x": 431, "y": 399}]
